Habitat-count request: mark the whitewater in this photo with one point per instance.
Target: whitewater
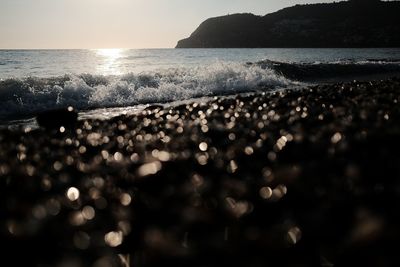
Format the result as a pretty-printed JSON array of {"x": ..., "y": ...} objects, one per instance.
[{"x": 33, "y": 81}]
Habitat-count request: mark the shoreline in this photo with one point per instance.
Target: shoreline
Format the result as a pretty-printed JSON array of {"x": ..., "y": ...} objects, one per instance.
[{"x": 288, "y": 178}]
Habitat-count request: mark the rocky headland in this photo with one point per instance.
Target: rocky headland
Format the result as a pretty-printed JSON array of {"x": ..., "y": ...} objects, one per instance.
[{"x": 343, "y": 24}]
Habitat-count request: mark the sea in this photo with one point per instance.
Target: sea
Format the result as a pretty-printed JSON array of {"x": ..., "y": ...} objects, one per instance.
[{"x": 102, "y": 83}]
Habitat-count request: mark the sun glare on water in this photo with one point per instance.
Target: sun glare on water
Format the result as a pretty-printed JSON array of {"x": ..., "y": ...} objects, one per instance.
[
  {"x": 109, "y": 60},
  {"x": 110, "y": 54}
]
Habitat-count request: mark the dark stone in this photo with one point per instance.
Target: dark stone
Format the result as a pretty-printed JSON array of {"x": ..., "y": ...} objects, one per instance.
[
  {"x": 363, "y": 23},
  {"x": 55, "y": 119}
]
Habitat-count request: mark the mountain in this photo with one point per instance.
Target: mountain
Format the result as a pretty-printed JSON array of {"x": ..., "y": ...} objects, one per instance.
[{"x": 356, "y": 23}]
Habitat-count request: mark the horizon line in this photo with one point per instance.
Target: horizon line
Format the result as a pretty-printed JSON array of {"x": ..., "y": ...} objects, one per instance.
[{"x": 119, "y": 48}]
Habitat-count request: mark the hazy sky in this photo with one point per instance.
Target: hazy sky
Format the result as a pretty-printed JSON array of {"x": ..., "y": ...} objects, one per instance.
[{"x": 115, "y": 23}]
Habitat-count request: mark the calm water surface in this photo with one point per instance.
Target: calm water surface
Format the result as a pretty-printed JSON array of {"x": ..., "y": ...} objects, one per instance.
[{"x": 50, "y": 63}]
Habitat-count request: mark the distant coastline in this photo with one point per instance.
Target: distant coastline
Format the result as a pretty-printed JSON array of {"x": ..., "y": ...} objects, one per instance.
[{"x": 350, "y": 24}]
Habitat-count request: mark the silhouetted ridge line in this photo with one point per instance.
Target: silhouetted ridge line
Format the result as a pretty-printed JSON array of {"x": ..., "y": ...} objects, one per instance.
[{"x": 345, "y": 24}]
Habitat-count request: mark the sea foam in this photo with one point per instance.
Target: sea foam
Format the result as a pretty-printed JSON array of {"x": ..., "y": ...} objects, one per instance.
[{"x": 25, "y": 97}]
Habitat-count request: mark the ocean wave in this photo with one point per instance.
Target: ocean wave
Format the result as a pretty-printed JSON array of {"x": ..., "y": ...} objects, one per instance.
[
  {"x": 23, "y": 98},
  {"x": 384, "y": 60},
  {"x": 9, "y": 62},
  {"x": 26, "y": 97},
  {"x": 321, "y": 71}
]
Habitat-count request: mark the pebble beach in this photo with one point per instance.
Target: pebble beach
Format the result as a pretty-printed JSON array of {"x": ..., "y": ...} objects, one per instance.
[{"x": 306, "y": 177}]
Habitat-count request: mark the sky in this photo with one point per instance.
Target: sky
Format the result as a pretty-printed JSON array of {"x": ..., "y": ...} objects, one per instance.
[{"x": 46, "y": 24}]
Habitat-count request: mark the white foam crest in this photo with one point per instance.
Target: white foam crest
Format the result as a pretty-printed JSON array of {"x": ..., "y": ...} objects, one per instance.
[
  {"x": 32, "y": 95},
  {"x": 178, "y": 84}
]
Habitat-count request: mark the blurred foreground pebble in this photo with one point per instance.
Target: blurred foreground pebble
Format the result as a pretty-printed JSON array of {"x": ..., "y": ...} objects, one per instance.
[{"x": 292, "y": 178}]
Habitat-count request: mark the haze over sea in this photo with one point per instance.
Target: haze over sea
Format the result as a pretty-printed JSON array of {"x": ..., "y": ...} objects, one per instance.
[{"x": 33, "y": 81}]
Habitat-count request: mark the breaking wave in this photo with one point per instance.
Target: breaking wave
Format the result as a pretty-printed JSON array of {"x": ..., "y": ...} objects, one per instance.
[
  {"x": 23, "y": 98},
  {"x": 334, "y": 71},
  {"x": 26, "y": 97}
]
